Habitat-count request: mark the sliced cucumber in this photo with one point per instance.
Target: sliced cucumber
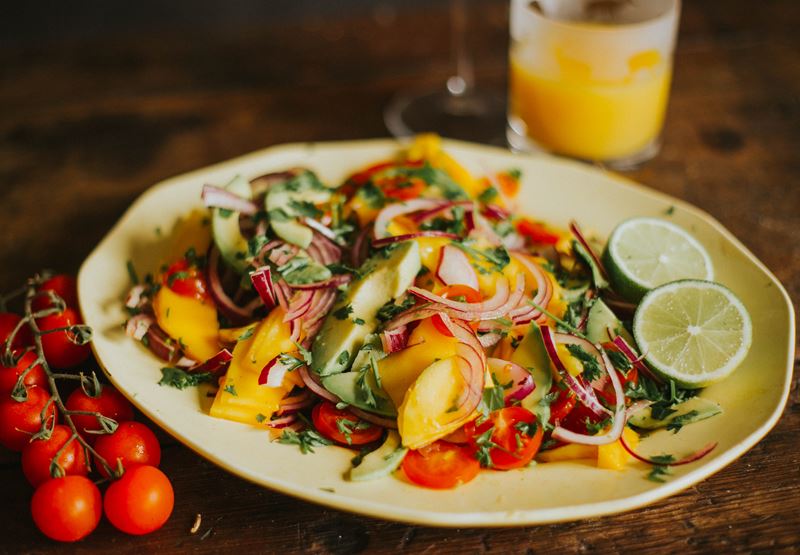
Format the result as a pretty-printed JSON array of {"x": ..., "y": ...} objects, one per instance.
[
  {"x": 532, "y": 355},
  {"x": 690, "y": 411},
  {"x": 225, "y": 228},
  {"x": 346, "y": 387},
  {"x": 282, "y": 202},
  {"x": 381, "y": 462}
]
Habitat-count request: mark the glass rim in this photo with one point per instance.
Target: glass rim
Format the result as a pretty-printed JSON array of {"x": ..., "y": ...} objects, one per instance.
[{"x": 672, "y": 10}]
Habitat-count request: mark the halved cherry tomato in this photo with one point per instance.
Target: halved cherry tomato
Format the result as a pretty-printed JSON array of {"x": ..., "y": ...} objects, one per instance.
[
  {"x": 110, "y": 403},
  {"x": 39, "y": 453},
  {"x": 9, "y": 321},
  {"x": 537, "y": 233},
  {"x": 469, "y": 294},
  {"x": 402, "y": 188},
  {"x": 132, "y": 443},
  {"x": 579, "y": 418},
  {"x": 360, "y": 178},
  {"x": 563, "y": 404},
  {"x": 513, "y": 445},
  {"x": 141, "y": 501},
  {"x": 67, "y": 509},
  {"x": 187, "y": 280},
  {"x": 441, "y": 465},
  {"x": 62, "y": 285},
  {"x": 10, "y": 374},
  {"x": 19, "y": 421},
  {"x": 343, "y": 426},
  {"x": 632, "y": 377},
  {"x": 59, "y": 350}
]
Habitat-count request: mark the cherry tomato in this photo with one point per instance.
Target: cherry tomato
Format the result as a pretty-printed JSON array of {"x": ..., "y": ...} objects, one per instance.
[
  {"x": 132, "y": 443},
  {"x": 515, "y": 433},
  {"x": 361, "y": 177},
  {"x": 141, "y": 501},
  {"x": 537, "y": 233},
  {"x": 402, "y": 188},
  {"x": 10, "y": 374},
  {"x": 469, "y": 294},
  {"x": 39, "y": 453},
  {"x": 62, "y": 285},
  {"x": 342, "y": 426},
  {"x": 441, "y": 465},
  {"x": 579, "y": 418},
  {"x": 186, "y": 280},
  {"x": 562, "y": 404},
  {"x": 110, "y": 403},
  {"x": 67, "y": 509},
  {"x": 18, "y": 421},
  {"x": 59, "y": 350},
  {"x": 9, "y": 321}
]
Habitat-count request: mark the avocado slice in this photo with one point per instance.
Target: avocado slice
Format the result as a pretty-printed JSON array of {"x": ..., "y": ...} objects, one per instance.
[
  {"x": 690, "y": 411},
  {"x": 600, "y": 320},
  {"x": 225, "y": 228},
  {"x": 385, "y": 276},
  {"x": 532, "y": 355},
  {"x": 381, "y": 462},
  {"x": 345, "y": 387},
  {"x": 284, "y": 201}
]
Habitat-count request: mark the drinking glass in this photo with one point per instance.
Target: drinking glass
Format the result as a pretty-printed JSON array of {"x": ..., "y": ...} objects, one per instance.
[{"x": 590, "y": 79}]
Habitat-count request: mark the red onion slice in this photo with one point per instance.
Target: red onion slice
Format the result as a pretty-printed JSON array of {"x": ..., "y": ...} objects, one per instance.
[
  {"x": 455, "y": 268},
  {"x": 395, "y": 339},
  {"x": 323, "y": 230},
  {"x": 138, "y": 325},
  {"x": 377, "y": 243},
  {"x": 283, "y": 421},
  {"x": 472, "y": 366},
  {"x": 335, "y": 281},
  {"x": 544, "y": 292},
  {"x": 374, "y": 418},
  {"x": 135, "y": 297},
  {"x": 315, "y": 386},
  {"x": 217, "y": 364},
  {"x": 498, "y": 306},
  {"x": 426, "y": 215},
  {"x": 392, "y": 211},
  {"x": 217, "y": 197},
  {"x": 360, "y": 247},
  {"x": 161, "y": 344},
  {"x": 411, "y": 315},
  {"x": 506, "y": 372},
  {"x": 489, "y": 339},
  {"x": 273, "y": 373},
  {"x": 224, "y": 303},
  {"x": 635, "y": 360},
  {"x": 262, "y": 283},
  {"x": 692, "y": 457},
  {"x": 495, "y": 212},
  {"x": 576, "y": 231},
  {"x": 299, "y": 305}
]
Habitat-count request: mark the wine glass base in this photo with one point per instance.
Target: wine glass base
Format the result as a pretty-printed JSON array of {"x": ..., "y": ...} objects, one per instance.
[{"x": 475, "y": 115}]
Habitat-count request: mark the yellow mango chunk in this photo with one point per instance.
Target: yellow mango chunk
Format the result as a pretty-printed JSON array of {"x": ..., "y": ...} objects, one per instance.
[
  {"x": 191, "y": 322},
  {"x": 399, "y": 370},
  {"x": 232, "y": 335},
  {"x": 425, "y": 414},
  {"x": 429, "y": 147},
  {"x": 240, "y": 397},
  {"x": 613, "y": 456},
  {"x": 430, "y": 250},
  {"x": 194, "y": 231},
  {"x": 363, "y": 211},
  {"x": 569, "y": 452},
  {"x": 572, "y": 364}
]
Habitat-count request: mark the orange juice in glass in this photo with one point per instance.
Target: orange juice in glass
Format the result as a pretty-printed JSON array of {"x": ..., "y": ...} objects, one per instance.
[{"x": 590, "y": 78}]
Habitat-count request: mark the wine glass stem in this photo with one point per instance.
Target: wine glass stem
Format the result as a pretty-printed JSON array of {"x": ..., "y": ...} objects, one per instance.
[{"x": 464, "y": 78}]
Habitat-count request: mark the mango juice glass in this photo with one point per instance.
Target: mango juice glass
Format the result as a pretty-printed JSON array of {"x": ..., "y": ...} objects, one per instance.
[{"x": 590, "y": 78}]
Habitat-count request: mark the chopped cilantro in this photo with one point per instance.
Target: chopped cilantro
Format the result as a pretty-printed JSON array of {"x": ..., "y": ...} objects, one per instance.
[
  {"x": 132, "y": 273},
  {"x": 619, "y": 360},
  {"x": 595, "y": 427},
  {"x": 487, "y": 195},
  {"x": 304, "y": 208},
  {"x": 498, "y": 256},
  {"x": 526, "y": 428},
  {"x": 514, "y": 173},
  {"x": 180, "y": 379},
  {"x": 279, "y": 215},
  {"x": 681, "y": 420},
  {"x": 230, "y": 388},
  {"x": 306, "y": 439},
  {"x": 663, "y": 396},
  {"x": 343, "y": 312},
  {"x": 372, "y": 195},
  {"x": 658, "y": 473},
  {"x": 195, "y": 260},
  {"x": 343, "y": 358},
  {"x": 260, "y": 418},
  {"x": 176, "y": 276},
  {"x": 224, "y": 212},
  {"x": 390, "y": 309},
  {"x": 591, "y": 367},
  {"x": 248, "y": 333}
]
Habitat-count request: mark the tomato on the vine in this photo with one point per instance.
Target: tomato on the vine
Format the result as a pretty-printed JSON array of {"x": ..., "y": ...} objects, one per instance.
[
  {"x": 8, "y": 322},
  {"x": 38, "y": 455},
  {"x": 441, "y": 465},
  {"x": 132, "y": 443},
  {"x": 456, "y": 291},
  {"x": 510, "y": 437},
  {"x": 67, "y": 509},
  {"x": 342, "y": 426},
  {"x": 141, "y": 501},
  {"x": 10, "y": 374},
  {"x": 110, "y": 403},
  {"x": 59, "y": 350},
  {"x": 186, "y": 279},
  {"x": 20, "y": 420},
  {"x": 62, "y": 285}
]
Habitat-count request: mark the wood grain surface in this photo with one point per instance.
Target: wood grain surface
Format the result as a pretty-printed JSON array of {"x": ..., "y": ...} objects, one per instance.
[{"x": 87, "y": 124}]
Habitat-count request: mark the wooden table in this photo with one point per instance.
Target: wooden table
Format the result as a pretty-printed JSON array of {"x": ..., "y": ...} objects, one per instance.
[{"x": 87, "y": 125}]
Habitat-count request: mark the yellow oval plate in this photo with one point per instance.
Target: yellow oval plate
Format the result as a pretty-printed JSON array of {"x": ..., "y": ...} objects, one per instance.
[{"x": 554, "y": 190}]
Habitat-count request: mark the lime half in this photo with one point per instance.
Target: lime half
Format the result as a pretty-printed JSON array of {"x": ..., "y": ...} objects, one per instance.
[
  {"x": 643, "y": 253},
  {"x": 694, "y": 332}
]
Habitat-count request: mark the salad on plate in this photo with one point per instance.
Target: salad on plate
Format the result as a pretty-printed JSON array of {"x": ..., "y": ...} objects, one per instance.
[{"x": 412, "y": 314}]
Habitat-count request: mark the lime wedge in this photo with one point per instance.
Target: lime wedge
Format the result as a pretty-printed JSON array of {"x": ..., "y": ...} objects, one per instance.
[
  {"x": 643, "y": 253},
  {"x": 694, "y": 332}
]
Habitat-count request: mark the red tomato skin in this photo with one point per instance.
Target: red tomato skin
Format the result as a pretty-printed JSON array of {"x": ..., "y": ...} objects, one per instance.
[
  {"x": 505, "y": 435},
  {"x": 67, "y": 509},
  {"x": 141, "y": 501},
  {"x": 537, "y": 233},
  {"x": 38, "y": 454},
  {"x": 63, "y": 285},
  {"x": 132, "y": 443},
  {"x": 456, "y": 290},
  {"x": 193, "y": 285},
  {"x": 18, "y": 421},
  {"x": 441, "y": 465},
  {"x": 10, "y": 374},
  {"x": 563, "y": 404},
  {"x": 59, "y": 351},
  {"x": 110, "y": 403},
  {"x": 325, "y": 415},
  {"x": 9, "y": 321}
]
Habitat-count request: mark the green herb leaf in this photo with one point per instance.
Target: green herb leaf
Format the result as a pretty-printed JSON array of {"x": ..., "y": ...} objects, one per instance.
[
  {"x": 591, "y": 368},
  {"x": 343, "y": 312},
  {"x": 390, "y": 309},
  {"x": 180, "y": 379},
  {"x": 680, "y": 421},
  {"x": 306, "y": 439},
  {"x": 305, "y": 208}
]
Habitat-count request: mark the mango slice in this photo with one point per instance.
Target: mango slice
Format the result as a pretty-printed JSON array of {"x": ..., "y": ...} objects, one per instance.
[{"x": 193, "y": 323}]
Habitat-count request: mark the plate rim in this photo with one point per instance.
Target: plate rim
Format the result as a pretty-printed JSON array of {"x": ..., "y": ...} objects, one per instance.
[{"x": 498, "y": 518}]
